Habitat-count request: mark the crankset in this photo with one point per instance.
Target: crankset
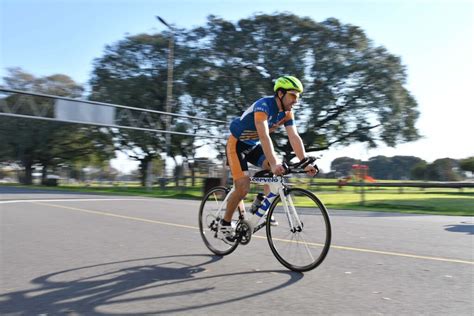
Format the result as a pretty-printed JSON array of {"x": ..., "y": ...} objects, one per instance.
[{"x": 244, "y": 232}]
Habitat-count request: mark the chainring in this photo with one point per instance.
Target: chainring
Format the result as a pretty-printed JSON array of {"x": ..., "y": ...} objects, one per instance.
[{"x": 244, "y": 232}]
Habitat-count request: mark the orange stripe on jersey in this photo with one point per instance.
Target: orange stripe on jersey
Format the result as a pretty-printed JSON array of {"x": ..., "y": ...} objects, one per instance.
[
  {"x": 233, "y": 159},
  {"x": 248, "y": 134}
]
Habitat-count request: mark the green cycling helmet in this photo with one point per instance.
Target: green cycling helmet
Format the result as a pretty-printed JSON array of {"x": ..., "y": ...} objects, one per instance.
[{"x": 288, "y": 83}]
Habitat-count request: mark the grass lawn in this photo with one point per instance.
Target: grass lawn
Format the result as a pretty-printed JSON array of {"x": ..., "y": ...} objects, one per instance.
[
  {"x": 412, "y": 200},
  {"x": 420, "y": 203}
]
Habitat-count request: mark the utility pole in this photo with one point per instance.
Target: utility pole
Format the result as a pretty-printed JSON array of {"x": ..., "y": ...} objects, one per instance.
[
  {"x": 169, "y": 91},
  {"x": 169, "y": 83}
]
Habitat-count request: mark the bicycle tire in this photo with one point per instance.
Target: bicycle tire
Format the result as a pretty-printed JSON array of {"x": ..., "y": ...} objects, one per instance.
[
  {"x": 207, "y": 228},
  {"x": 319, "y": 220}
]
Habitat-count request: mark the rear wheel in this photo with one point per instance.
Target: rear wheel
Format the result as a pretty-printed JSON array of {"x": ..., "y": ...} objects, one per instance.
[
  {"x": 305, "y": 244},
  {"x": 211, "y": 212}
]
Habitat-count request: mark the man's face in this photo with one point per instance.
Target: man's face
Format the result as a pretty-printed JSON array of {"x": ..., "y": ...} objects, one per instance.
[{"x": 291, "y": 98}]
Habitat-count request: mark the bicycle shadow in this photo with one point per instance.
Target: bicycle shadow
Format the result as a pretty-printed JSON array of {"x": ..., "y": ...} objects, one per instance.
[{"x": 82, "y": 290}]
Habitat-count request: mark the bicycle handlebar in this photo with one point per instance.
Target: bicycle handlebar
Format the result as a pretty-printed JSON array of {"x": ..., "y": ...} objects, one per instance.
[{"x": 291, "y": 168}]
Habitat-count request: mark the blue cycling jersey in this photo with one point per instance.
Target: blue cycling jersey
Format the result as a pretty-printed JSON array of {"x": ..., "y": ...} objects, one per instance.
[{"x": 243, "y": 128}]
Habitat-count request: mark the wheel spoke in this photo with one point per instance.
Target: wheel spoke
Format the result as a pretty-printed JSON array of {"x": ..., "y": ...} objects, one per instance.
[
  {"x": 305, "y": 249},
  {"x": 300, "y": 235},
  {"x": 212, "y": 204}
]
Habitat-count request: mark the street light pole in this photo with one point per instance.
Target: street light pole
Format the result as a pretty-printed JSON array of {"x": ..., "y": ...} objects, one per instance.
[{"x": 169, "y": 83}]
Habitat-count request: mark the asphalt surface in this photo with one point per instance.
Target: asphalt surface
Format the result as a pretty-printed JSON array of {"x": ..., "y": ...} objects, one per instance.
[{"x": 81, "y": 254}]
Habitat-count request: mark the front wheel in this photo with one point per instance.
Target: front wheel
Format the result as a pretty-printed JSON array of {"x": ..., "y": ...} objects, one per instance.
[
  {"x": 303, "y": 244},
  {"x": 210, "y": 213}
]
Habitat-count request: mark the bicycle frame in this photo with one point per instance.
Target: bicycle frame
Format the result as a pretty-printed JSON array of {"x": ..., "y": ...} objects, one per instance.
[
  {"x": 290, "y": 241},
  {"x": 277, "y": 188}
]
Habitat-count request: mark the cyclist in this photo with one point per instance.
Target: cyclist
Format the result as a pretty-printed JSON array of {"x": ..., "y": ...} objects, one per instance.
[{"x": 250, "y": 142}]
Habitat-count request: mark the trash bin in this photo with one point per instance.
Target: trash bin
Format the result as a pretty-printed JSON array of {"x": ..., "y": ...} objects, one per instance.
[
  {"x": 162, "y": 181},
  {"x": 51, "y": 181},
  {"x": 209, "y": 183}
]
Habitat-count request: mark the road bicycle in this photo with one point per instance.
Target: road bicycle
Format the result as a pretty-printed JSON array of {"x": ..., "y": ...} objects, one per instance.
[{"x": 300, "y": 241}]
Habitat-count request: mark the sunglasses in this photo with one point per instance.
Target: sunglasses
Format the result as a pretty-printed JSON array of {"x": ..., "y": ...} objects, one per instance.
[{"x": 293, "y": 92}]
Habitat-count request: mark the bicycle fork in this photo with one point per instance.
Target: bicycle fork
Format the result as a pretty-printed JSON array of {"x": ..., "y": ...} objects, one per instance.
[
  {"x": 289, "y": 207},
  {"x": 295, "y": 224}
]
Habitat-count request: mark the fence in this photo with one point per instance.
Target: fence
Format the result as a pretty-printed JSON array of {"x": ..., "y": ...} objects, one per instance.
[
  {"x": 401, "y": 185},
  {"x": 51, "y": 108}
]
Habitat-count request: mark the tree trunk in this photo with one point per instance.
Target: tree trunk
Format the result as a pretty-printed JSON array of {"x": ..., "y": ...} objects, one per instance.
[
  {"x": 28, "y": 173},
  {"x": 176, "y": 172},
  {"x": 44, "y": 173},
  {"x": 144, "y": 169}
]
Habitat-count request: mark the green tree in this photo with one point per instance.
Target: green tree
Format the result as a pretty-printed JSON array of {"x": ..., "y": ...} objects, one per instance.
[
  {"x": 46, "y": 143},
  {"x": 343, "y": 165},
  {"x": 402, "y": 166},
  {"x": 445, "y": 169},
  {"x": 418, "y": 172},
  {"x": 380, "y": 167},
  {"x": 467, "y": 164},
  {"x": 355, "y": 91},
  {"x": 395, "y": 168},
  {"x": 133, "y": 72}
]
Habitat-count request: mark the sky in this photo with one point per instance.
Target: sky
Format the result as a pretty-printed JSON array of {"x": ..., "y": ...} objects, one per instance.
[{"x": 433, "y": 38}]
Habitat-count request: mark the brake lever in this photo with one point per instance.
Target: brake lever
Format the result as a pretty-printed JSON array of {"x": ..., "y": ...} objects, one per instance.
[{"x": 304, "y": 163}]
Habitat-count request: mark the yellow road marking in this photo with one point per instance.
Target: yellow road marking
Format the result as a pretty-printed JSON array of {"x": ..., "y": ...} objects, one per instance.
[
  {"x": 398, "y": 254},
  {"x": 403, "y": 255},
  {"x": 379, "y": 252},
  {"x": 75, "y": 200},
  {"x": 118, "y": 216}
]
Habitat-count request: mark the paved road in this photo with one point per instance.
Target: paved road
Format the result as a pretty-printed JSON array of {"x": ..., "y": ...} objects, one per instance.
[{"x": 81, "y": 254}]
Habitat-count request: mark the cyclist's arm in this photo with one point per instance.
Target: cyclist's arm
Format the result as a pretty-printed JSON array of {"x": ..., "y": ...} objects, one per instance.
[
  {"x": 296, "y": 142},
  {"x": 261, "y": 124}
]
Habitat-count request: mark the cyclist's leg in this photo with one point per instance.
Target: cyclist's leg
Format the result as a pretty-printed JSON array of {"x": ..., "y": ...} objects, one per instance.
[
  {"x": 257, "y": 158},
  {"x": 236, "y": 159},
  {"x": 266, "y": 166},
  {"x": 241, "y": 186},
  {"x": 266, "y": 190}
]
